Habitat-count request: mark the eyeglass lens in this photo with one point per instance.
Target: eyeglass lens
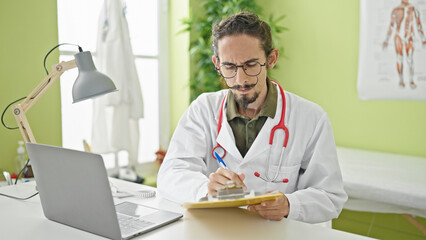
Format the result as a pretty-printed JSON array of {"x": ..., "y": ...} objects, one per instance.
[{"x": 251, "y": 69}]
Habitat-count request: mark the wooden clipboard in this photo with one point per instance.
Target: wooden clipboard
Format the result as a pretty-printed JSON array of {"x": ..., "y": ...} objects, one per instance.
[{"x": 234, "y": 202}]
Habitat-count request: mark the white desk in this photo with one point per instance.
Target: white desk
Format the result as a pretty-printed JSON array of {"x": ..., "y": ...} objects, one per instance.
[{"x": 25, "y": 220}]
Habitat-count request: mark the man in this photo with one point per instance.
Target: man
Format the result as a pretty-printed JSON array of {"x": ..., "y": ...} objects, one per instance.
[
  {"x": 405, "y": 21},
  {"x": 239, "y": 122}
]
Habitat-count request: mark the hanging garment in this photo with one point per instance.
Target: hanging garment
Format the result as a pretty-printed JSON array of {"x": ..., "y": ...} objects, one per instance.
[{"x": 116, "y": 116}]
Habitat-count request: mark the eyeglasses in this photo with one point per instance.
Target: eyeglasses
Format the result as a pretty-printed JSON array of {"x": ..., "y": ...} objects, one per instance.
[{"x": 252, "y": 69}]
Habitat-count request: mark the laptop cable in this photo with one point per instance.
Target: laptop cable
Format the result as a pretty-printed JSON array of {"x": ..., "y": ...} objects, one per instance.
[{"x": 18, "y": 198}]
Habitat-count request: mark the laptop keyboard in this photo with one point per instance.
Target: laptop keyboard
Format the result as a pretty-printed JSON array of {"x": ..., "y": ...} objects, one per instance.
[{"x": 130, "y": 225}]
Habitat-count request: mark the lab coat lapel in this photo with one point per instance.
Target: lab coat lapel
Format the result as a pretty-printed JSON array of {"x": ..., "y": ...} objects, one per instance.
[
  {"x": 227, "y": 140},
  {"x": 261, "y": 143}
]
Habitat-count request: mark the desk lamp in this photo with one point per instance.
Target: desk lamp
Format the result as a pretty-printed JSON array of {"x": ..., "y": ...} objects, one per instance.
[{"x": 89, "y": 84}]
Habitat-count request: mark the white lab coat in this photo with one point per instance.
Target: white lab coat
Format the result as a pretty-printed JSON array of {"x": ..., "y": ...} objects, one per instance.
[
  {"x": 116, "y": 115},
  {"x": 314, "y": 188}
]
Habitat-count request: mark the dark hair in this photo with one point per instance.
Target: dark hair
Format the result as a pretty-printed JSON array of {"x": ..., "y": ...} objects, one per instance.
[{"x": 242, "y": 23}]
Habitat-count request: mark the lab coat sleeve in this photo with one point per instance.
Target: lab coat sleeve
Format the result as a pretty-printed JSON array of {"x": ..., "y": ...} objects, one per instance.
[
  {"x": 320, "y": 195},
  {"x": 182, "y": 176}
]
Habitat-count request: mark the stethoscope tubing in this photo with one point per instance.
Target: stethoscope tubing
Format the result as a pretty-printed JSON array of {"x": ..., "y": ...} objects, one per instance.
[{"x": 279, "y": 126}]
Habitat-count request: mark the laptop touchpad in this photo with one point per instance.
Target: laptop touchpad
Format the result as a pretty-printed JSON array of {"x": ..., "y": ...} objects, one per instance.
[{"x": 134, "y": 210}]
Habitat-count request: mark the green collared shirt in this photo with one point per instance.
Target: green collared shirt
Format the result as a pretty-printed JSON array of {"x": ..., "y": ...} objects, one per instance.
[{"x": 245, "y": 129}]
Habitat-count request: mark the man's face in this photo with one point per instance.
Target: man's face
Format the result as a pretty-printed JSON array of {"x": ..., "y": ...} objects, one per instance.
[{"x": 238, "y": 50}]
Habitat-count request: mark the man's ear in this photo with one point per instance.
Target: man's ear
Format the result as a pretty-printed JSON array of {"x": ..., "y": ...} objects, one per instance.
[
  {"x": 272, "y": 58},
  {"x": 215, "y": 61}
]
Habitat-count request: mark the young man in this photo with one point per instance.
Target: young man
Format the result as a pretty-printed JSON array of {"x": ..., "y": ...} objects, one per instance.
[{"x": 240, "y": 123}]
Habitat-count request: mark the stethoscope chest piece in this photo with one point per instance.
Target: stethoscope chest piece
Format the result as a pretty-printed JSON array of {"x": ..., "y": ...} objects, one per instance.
[{"x": 219, "y": 150}]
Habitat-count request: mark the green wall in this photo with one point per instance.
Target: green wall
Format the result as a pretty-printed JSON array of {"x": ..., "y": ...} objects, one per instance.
[
  {"x": 28, "y": 31},
  {"x": 179, "y": 61},
  {"x": 320, "y": 64}
]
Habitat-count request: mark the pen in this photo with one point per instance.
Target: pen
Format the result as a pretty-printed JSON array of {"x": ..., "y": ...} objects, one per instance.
[{"x": 220, "y": 160}]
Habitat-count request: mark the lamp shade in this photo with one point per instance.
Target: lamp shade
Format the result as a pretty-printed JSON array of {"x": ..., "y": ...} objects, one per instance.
[{"x": 90, "y": 83}]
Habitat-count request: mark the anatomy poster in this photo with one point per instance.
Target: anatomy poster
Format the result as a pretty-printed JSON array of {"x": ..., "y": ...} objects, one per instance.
[{"x": 392, "y": 50}]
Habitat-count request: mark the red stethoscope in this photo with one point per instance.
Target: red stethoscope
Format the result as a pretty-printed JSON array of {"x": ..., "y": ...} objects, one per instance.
[{"x": 280, "y": 126}]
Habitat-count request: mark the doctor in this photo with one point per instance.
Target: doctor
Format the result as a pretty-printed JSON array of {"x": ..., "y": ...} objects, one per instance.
[{"x": 269, "y": 139}]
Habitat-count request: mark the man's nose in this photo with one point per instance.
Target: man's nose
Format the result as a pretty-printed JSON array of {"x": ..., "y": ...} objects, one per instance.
[{"x": 240, "y": 76}]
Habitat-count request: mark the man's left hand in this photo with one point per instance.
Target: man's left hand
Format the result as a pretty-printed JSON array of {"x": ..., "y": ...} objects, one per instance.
[{"x": 273, "y": 210}]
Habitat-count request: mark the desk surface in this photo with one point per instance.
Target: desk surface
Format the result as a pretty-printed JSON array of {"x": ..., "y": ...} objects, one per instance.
[{"x": 25, "y": 220}]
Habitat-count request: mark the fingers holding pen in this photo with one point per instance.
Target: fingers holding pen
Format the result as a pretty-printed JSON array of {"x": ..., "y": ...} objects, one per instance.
[
  {"x": 219, "y": 178},
  {"x": 237, "y": 178},
  {"x": 216, "y": 181}
]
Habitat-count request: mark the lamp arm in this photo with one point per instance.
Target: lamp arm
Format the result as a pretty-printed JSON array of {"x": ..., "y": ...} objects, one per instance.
[{"x": 19, "y": 110}]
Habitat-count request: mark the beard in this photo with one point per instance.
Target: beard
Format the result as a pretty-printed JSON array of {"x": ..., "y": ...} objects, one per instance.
[{"x": 244, "y": 100}]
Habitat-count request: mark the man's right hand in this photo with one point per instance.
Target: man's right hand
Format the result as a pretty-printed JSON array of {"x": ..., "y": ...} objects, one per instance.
[{"x": 219, "y": 178}]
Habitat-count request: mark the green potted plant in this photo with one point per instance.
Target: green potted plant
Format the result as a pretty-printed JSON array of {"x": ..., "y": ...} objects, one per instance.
[{"x": 204, "y": 77}]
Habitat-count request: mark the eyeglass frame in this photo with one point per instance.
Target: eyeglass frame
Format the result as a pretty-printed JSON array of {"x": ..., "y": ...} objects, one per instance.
[{"x": 242, "y": 67}]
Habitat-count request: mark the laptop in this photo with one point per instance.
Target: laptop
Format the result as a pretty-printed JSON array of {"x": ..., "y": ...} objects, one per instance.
[{"x": 75, "y": 191}]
